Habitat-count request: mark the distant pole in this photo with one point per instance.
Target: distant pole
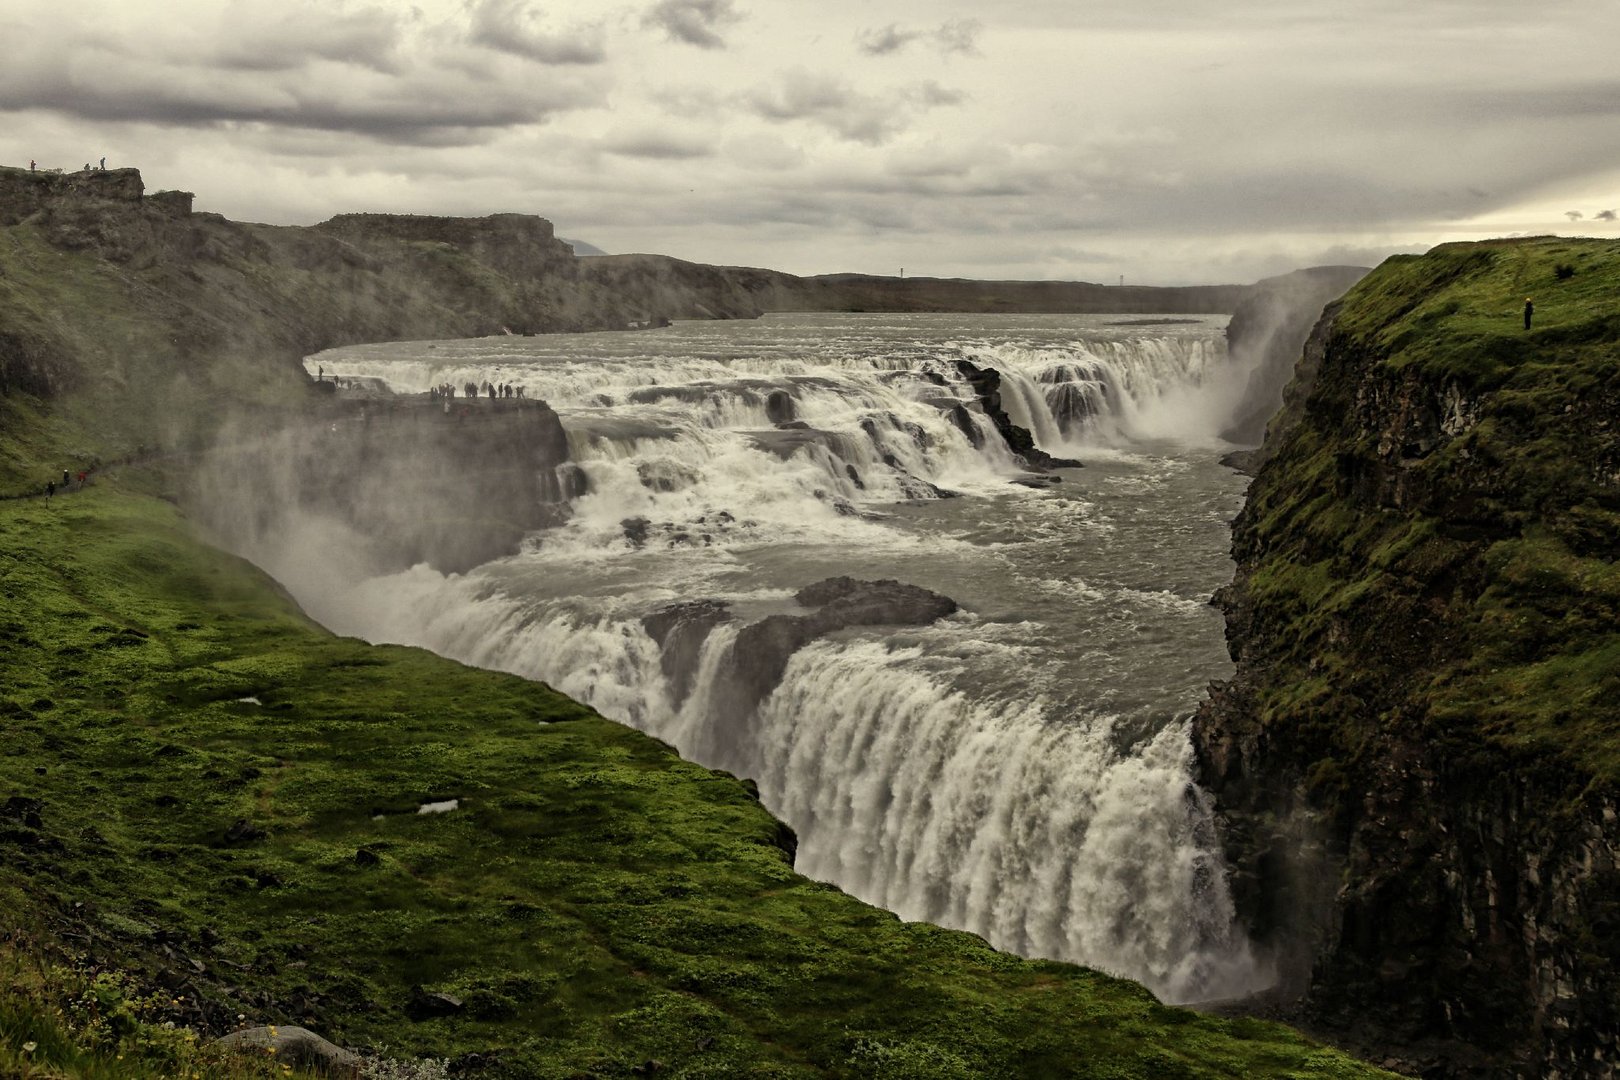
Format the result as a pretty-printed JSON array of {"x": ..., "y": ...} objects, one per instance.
[
  {"x": 902, "y": 271},
  {"x": 1122, "y": 281}
]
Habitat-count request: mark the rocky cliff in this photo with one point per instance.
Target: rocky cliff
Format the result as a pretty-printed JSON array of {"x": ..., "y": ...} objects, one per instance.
[{"x": 1416, "y": 759}]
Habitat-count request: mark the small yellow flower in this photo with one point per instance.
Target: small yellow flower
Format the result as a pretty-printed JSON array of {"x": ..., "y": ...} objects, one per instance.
[{"x": 30, "y": 1047}]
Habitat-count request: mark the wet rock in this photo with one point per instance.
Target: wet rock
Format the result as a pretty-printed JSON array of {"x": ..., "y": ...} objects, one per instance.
[
  {"x": 986, "y": 385},
  {"x": 680, "y": 631},
  {"x": 295, "y": 1046},
  {"x": 780, "y": 407},
  {"x": 635, "y": 530}
]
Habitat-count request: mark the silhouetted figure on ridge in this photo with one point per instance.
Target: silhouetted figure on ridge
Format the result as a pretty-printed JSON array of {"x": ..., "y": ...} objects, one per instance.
[{"x": 1529, "y": 310}]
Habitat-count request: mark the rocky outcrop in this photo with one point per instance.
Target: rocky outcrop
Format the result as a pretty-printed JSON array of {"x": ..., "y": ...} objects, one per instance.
[
  {"x": 1414, "y": 762},
  {"x": 762, "y": 649},
  {"x": 24, "y": 193},
  {"x": 452, "y": 487},
  {"x": 680, "y": 631},
  {"x": 986, "y": 386}
]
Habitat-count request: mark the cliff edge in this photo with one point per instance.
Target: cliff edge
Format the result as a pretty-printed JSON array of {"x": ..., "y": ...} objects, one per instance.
[{"x": 1416, "y": 759}]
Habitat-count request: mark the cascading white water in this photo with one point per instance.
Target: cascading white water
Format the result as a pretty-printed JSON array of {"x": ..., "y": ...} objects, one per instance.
[{"x": 1020, "y": 769}]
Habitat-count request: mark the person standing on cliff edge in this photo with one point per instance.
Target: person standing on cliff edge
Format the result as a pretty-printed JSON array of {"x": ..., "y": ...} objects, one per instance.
[{"x": 1529, "y": 310}]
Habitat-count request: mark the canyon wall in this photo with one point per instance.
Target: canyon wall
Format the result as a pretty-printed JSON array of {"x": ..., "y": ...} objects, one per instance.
[{"x": 1415, "y": 761}]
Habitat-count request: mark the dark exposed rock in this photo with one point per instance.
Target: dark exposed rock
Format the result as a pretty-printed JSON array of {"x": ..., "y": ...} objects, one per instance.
[
  {"x": 366, "y": 857},
  {"x": 635, "y": 530},
  {"x": 1427, "y": 889},
  {"x": 453, "y": 489},
  {"x": 1268, "y": 331},
  {"x": 779, "y": 406},
  {"x": 986, "y": 385},
  {"x": 23, "y": 809},
  {"x": 427, "y": 1004},
  {"x": 680, "y": 631},
  {"x": 243, "y": 831}
]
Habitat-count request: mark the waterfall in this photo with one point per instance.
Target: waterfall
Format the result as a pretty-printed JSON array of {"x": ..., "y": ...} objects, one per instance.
[{"x": 986, "y": 772}]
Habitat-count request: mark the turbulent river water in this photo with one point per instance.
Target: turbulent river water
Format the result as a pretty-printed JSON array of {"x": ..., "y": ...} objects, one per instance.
[{"x": 1020, "y": 769}]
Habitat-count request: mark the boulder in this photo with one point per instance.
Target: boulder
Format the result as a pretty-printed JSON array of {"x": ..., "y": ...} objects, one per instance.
[{"x": 295, "y": 1046}]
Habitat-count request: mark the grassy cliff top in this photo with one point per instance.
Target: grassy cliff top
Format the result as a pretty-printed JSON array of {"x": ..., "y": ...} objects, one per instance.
[
  {"x": 202, "y": 786},
  {"x": 1434, "y": 547}
]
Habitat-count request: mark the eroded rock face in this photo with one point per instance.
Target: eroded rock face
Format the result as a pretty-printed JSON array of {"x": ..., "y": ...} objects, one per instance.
[
  {"x": 1267, "y": 334},
  {"x": 680, "y": 631}
]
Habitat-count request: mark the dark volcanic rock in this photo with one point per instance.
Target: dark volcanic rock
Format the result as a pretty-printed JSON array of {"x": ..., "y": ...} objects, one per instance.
[
  {"x": 986, "y": 384},
  {"x": 1424, "y": 839},
  {"x": 1267, "y": 334},
  {"x": 450, "y": 488},
  {"x": 779, "y": 407}
]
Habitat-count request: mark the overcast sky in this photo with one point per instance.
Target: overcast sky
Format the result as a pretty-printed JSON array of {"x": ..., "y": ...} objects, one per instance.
[{"x": 1164, "y": 140}]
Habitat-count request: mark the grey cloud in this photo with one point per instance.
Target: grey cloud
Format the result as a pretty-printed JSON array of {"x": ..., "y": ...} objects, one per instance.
[
  {"x": 696, "y": 22},
  {"x": 1604, "y": 215},
  {"x": 430, "y": 107},
  {"x": 957, "y": 36},
  {"x": 821, "y": 99},
  {"x": 511, "y": 26},
  {"x": 658, "y": 146},
  {"x": 286, "y": 40},
  {"x": 886, "y": 40},
  {"x": 865, "y": 118},
  {"x": 931, "y": 95}
]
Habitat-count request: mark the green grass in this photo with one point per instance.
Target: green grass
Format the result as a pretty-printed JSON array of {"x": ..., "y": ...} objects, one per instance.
[{"x": 595, "y": 901}]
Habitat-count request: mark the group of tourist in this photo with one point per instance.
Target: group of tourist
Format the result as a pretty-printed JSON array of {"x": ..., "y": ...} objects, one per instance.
[
  {"x": 447, "y": 391},
  {"x": 33, "y": 166},
  {"x": 68, "y": 478}
]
